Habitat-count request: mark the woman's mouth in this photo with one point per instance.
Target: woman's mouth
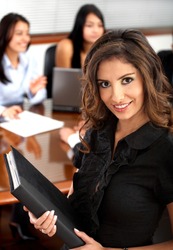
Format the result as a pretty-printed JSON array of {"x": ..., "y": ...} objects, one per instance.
[{"x": 121, "y": 107}]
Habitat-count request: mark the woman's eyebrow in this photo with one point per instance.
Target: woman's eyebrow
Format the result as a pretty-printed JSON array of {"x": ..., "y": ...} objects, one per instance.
[
  {"x": 128, "y": 74},
  {"x": 101, "y": 80}
]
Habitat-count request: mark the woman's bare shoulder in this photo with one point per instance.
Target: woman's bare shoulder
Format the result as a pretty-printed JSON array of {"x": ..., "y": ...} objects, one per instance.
[{"x": 66, "y": 44}]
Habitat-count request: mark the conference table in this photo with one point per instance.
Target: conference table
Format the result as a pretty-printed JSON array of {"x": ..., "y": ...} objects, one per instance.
[{"x": 45, "y": 151}]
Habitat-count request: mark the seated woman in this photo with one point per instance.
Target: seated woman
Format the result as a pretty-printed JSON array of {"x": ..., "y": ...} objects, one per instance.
[
  {"x": 88, "y": 27},
  {"x": 19, "y": 74},
  {"x": 71, "y": 52},
  {"x": 19, "y": 78}
]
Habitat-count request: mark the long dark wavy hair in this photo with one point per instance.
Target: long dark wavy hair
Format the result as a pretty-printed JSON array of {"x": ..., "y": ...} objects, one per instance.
[
  {"x": 76, "y": 35},
  {"x": 7, "y": 25},
  {"x": 132, "y": 47}
]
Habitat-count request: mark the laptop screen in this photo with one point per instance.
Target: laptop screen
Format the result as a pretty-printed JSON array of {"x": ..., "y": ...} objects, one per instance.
[{"x": 66, "y": 89}]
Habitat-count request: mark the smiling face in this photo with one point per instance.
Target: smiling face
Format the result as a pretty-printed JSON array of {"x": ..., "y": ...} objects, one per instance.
[
  {"x": 121, "y": 89},
  {"x": 20, "y": 38}
]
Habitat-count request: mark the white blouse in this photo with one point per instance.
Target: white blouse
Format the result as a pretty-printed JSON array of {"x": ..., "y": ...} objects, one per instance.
[{"x": 15, "y": 91}]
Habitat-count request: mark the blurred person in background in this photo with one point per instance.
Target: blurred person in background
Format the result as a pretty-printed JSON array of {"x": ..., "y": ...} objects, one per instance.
[
  {"x": 19, "y": 74},
  {"x": 88, "y": 27},
  {"x": 19, "y": 78},
  {"x": 71, "y": 52}
]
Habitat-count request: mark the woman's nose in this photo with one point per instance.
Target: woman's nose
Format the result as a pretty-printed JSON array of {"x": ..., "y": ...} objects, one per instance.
[
  {"x": 26, "y": 38},
  {"x": 117, "y": 93},
  {"x": 96, "y": 29}
]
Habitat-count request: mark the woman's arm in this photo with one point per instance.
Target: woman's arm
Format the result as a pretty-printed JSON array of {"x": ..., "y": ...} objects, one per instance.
[
  {"x": 64, "y": 53},
  {"x": 38, "y": 84},
  {"x": 34, "y": 83}
]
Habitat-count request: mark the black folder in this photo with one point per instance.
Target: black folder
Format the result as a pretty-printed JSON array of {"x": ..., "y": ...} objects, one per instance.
[{"x": 39, "y": 195}]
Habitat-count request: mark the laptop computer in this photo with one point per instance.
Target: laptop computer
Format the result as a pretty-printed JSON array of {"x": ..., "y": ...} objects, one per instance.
[{"x": 66, "y": 89}]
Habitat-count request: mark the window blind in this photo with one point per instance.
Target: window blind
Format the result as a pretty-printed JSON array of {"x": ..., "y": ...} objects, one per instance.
[{"x": 56, "y": 16}]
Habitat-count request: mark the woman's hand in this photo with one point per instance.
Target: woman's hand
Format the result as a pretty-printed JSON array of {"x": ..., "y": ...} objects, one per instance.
[
  {"x": 45, "y": 223},
  {"x": 79, "y": 125},
  {"x": 38, "y": 84},
  {"x": 12, "y": 112},
  {"x": 65, "y": 132},
  {"x": 90, "y": 243}
]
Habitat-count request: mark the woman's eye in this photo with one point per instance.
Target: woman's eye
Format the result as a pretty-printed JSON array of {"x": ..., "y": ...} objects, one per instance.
[
  {"x": 104, "y": 84},
  {"x": 88, "y": 25},
  {"x": 127, "y": 80}
]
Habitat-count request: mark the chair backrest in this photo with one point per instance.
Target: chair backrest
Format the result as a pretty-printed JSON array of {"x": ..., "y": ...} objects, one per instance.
[
  {"x": 49, "y": 64},
  {"x": 166, "y": 57}
]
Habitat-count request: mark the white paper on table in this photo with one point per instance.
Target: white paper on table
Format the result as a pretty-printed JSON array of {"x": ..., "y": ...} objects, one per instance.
[{"x": 30, "y": 123}]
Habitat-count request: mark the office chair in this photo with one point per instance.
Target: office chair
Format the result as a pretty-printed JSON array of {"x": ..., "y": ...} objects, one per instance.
[
  {"x": 49, "y": 63},
  {"x": 166, "y": 57}
]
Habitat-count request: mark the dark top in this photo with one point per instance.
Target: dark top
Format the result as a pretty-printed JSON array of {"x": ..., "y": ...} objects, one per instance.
[
  {"x": 76, "y": 59},
  {"x": 121, "y": 197},
  {"x": 77, "y": 48}
]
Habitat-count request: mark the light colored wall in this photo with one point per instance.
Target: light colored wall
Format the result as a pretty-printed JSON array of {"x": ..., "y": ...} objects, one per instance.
[{"x": 158, "y": 42}]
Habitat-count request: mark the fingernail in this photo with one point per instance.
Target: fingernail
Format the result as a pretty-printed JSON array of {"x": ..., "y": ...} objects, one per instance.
[
  {"x": 75, "y": 229},
  {"x": 47, "y": 213},
  {"x": 55, "y": 218},
  {"x": 52, "y": 212},
  {"x": 54, "y": 228}
]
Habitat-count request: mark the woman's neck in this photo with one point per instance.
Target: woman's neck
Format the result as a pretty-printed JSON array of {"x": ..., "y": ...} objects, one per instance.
[
  {"x": 86, "y": 47},
  {"x": 127, "y": 127},
  {"x": 13, "y": 57}
]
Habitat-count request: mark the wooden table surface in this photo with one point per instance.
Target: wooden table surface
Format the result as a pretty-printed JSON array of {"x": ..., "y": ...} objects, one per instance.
[{"x": 45, "y": 151}]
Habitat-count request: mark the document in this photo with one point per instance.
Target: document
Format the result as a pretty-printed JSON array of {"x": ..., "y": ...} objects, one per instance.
[
  {"x": 39, "y": 195},
  {"x": 30, "y": 123}
]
